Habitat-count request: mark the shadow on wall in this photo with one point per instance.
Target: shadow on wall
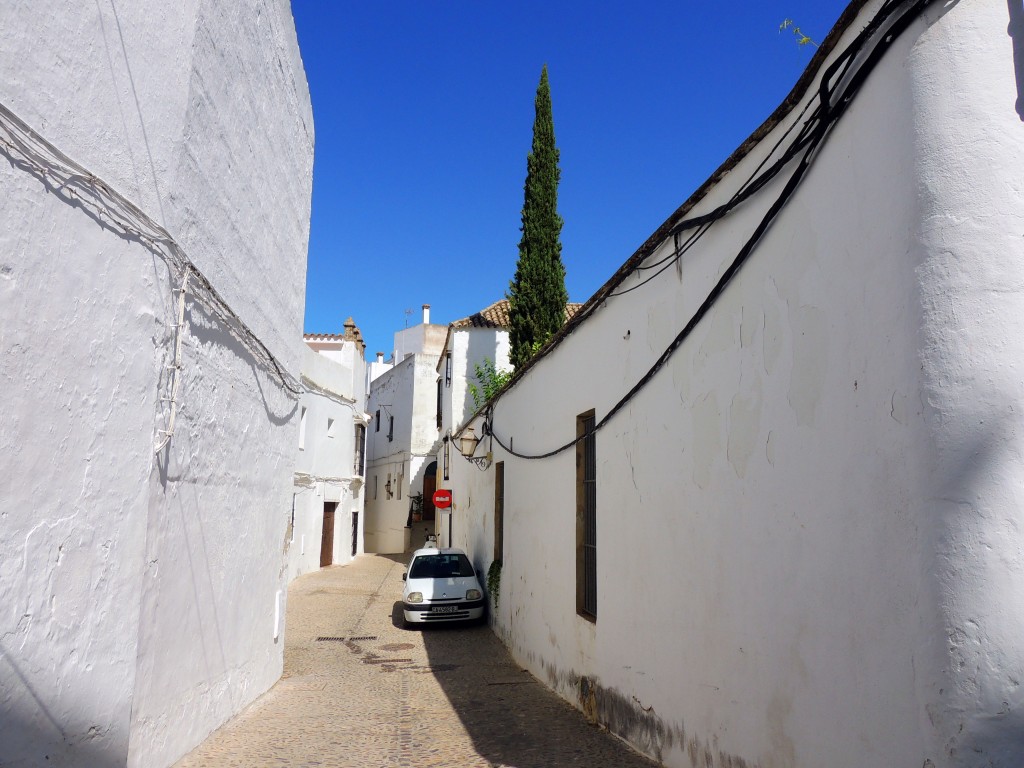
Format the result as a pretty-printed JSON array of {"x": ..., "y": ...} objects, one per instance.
[
  {"x": 31, "y": 734},
  {"x": 977, "y": 550},
  {"x": 206, "y": 329},
  {"x": 1016, "y": 32}
]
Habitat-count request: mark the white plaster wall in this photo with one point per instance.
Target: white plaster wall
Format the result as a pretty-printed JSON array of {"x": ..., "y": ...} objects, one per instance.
[
  {"x": 472, "y": 509},
  {"x": 409, "y": 393},
  {"x": 347, "y": 355},
  {"x": 423, "y": 433},
  {"x": 325, "y": 465},
  {"x": 969, "y": 153},
  {"x": 141, "y": 590},
  {"x": 806, "y": 521},
  {"x": 392, "y": 393},
  {"x": 422, "y": 339},
  {"x": 470, "y": 347},
  {"x": 375, "y": 370}
]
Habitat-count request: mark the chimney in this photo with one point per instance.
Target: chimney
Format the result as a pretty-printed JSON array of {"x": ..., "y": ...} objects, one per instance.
[
  {"x": 380, "y": 357},
  {"x": 426, "y": 314}
]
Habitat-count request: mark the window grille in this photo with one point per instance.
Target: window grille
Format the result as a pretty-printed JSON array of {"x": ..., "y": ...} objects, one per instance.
[
  {"x": 438, "y": 403},
  {"x": 360, "y": 450},
  {"x": 499, "y": 510},
  {"x": 586, "y": 517}
]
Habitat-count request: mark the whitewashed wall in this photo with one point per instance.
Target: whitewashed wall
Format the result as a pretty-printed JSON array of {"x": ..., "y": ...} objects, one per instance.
[
  {"x": 325, "y": 468},
  {"x": 424, "y": 338},
  {"x": 140, "y": 591},
  {"x": 468, "y": 347},
  {"x": 408, "y": 392},
  {"x": 391, "y": 395},
  {"x": 808, "y": 523}
]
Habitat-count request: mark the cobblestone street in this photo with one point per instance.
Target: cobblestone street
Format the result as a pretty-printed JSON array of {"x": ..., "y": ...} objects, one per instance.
[{"x": 358, "y": 690}]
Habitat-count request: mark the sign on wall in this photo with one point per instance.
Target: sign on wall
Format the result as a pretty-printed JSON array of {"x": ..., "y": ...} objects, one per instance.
[{"x": 442, "y": 498}]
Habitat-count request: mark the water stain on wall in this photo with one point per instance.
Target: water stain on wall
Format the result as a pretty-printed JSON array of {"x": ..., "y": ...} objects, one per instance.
[{"x": 629, "y": 719}]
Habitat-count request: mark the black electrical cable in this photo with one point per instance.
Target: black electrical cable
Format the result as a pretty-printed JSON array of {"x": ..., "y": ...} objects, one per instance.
[
  {"x": 753, "y": 179},
  {"x": 810, "y": 139},
  {"x": 26, "y": 148}
]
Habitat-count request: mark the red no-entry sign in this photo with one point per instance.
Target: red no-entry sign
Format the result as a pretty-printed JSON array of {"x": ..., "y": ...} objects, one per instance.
[{"x": 442, "y": 498}]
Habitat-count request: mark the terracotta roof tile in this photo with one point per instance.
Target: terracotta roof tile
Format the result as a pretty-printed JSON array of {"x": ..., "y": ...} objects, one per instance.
[
  {"x": 496, "y": 316},
  {"x": 352, "y": 333}
]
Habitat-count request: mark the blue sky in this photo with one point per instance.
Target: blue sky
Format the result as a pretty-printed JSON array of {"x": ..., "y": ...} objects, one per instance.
[{"x": 423, "y": 114}]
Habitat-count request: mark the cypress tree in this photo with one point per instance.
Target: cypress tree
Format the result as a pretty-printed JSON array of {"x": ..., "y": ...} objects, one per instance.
[{"x": 537, "y": 295}]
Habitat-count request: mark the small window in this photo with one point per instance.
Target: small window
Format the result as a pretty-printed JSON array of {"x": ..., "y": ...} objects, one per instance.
[
  {"x": 374, "y": 487},
  {"x": 302, "y": 430},
  {"x": 499, "y": 510},
  {"x": 330, "y": 427},
  {"x": 586, "y": 517},
  {"x": 387, "y": 488},
  {"x": 377, "y": 422},
  {"x": 360, "y": 450},
  {"x": 448, "y": 369},
  {"x": 391, "y": 428},
  {"x": 401, "y": 480},
  {"x": 291, "y": 523},
  {"x": 439, "y": 389}
]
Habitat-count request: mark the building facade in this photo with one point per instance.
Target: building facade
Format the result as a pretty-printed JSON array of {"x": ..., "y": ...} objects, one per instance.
[
  {"x": 156, "y": 200},
  {"x": 401, "y": 439},
  {"x": 783, "y": 527},
  {"x": 326, "y": 526}
]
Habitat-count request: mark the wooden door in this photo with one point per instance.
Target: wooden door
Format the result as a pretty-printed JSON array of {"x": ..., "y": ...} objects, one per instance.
[
  {"x": 429, "y": 486},
  {"x": 327, "y": 539}
]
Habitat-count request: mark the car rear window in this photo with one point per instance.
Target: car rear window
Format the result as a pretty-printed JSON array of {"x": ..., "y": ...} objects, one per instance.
[{"x": 440, "y": 567}]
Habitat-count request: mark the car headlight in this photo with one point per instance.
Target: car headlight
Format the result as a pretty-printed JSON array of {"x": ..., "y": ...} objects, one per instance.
[
  {"x": 473, "y": 594},
  {"x": 414, "y": 597}
]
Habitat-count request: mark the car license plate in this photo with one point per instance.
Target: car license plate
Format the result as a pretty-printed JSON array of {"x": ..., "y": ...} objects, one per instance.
[{"x": 444, "y": 609}]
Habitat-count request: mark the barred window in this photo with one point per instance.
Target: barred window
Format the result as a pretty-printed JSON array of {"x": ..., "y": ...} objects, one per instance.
[{"x": 586, "y": 517}]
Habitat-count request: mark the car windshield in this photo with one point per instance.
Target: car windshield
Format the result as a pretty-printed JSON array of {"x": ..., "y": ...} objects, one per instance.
[{"x": 440, "y": 566}]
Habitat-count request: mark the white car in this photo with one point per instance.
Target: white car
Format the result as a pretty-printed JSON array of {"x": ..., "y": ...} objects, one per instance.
[{"x": 441, "y": 585}]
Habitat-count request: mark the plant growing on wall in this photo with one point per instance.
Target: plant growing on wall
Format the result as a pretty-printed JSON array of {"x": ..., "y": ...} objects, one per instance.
[
  {"x": 537, "y": 295},
  {"x": 490, "y": 379},
  {"x": 494, "y": 581},
  {"x": 801, "y": 38}
]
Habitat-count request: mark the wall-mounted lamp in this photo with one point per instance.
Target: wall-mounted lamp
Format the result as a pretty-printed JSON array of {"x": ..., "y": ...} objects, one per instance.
[
  {"x": 468, "y": 443},
  {"x": 467, "y": 447}
]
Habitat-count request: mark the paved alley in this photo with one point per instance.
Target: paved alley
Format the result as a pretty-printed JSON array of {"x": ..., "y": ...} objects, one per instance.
[{"x": 358, "y": 690}]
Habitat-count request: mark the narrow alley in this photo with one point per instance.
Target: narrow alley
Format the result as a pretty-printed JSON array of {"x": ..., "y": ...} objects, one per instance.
[{"x": 358, "y": 690}]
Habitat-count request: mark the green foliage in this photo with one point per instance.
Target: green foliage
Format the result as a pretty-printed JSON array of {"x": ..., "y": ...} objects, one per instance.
[
  {"x": 491, "y": 381},
  {"x": 801, "y": 38},
  {"x": 537, "y": 294},
  {"x": 494, "y": 581}
]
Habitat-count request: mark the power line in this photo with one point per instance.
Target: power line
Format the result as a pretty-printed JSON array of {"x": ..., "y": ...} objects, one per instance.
[
  {"x": 837, "y": 87},
  {"x": 27, "y": 149}
]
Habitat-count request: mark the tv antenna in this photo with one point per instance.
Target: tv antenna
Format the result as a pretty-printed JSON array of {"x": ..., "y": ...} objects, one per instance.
[{"x": 408, "y": 314}]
